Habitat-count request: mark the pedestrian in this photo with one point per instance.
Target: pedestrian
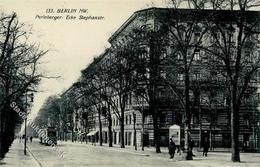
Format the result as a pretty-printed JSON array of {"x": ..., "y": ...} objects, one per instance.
[
  {"x": 41, "y": 140},
  {"x": 31, "y": 138},
  {"x": 191, "y": 146},
  {"x": 178, "y": 149},
  {"x": 205, "y": 147},
  {"x": 172, "y": 148}
]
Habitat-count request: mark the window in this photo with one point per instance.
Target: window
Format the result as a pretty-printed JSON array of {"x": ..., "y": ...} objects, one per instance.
[
  {"x": 126, "y": 120},
  {"x": 182, "y": 31},
  {"x": 230, "y": 33},
  {"x": 163, "y": 55},
  {"x": 192, "y": 76},
  {"x": 197, "y": 55},
  {"x": 179, "y": 57},
  {"x": 215, "y": 36},
  {"x": 198, "y": 75},
  {"x": 226, "y": 101},
  {"x": 212, "y": 38},
  {"x": 147, "y": 73},
  {"x": 258, "y": 97},
  {"x": 143, "y": 52},
  {"x": 196, "y": 36},
  {"x": 195, "y": 118},
  {"x": 130, "y": 99},
  {"x": 130, "y": 119},
  {"x": 163, "y": 117},
  {"x": 218, "y": 36},
  {"x": 232, "y": 38},
  {"x": 248, "y": 56},
  {"x": 180, "y": 77},
  {"x": 191, "y": 94},
  {"x": 204, "y": 98},
  {"x": 117, "y": 102},
  {"x": 162, "y": 93},
  {"x": 246, "y": 120},
  {"x": 163, "y": 74}
]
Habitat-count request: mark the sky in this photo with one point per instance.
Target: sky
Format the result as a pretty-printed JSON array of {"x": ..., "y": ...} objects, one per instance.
[{"x": 72, "y": 43}]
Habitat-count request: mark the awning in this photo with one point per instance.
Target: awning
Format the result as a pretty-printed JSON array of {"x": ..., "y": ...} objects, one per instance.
[
  {"x": 83, "y": 133},
  {"x": 92, "y": 133}
]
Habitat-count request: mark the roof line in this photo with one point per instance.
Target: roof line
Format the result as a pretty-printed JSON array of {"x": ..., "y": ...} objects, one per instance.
[{"x": 128, "y": 21}]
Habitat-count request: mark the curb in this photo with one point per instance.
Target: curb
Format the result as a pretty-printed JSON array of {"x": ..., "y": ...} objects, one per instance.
[
  {"x": 34, "y": 157},
  {"x": 121, "y": 150}
]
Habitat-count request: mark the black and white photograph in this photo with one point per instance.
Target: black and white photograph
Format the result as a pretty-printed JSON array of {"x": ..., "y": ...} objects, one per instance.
[{"x": 130, "y": 83}]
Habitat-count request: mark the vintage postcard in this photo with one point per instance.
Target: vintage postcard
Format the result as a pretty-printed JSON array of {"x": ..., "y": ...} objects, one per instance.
[{"x": 129, "y": 83}]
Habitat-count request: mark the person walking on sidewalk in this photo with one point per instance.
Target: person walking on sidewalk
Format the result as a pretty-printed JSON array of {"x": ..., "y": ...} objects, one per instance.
[
  {"x": 172, "y": 148},
  {"x": 31, "y": 139},
  {"x": 205, "y": 147},
  {"x": 191, "y": 145}
]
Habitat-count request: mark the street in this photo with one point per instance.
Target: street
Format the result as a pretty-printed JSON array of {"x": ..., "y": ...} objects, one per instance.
[{"x": 81, "y": 154}]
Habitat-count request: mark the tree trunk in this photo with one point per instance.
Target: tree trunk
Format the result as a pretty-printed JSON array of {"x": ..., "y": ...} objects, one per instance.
[
  {"x": 7, "y": 127},
  {"x": 86, "y": 126},
  {"x": 100, "y": 128},
  {"x": 66, "y": 136},
  {"x": 134, "y": 119},
  {"x": 235, "y": 132},
  {"x": 187, "y": 111},
  {"x": 122, "y": 130},
  {"x": 72, "y": 132},
  {"x": 154, "y": 69},
  {"x": 110, "y": 130},
  {"x": 1, "y": 134},
  {"x": 142, "y": 137},
  {"x": 156, "y": 132}
]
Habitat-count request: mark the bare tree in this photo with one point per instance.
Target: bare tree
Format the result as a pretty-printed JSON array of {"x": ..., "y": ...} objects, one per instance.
[
  {"x": 231, "y": 48},
  {"x": 19, "y": 73},
  {"x": 236, "y": 47},
  {"x": 184, "y": 34},
  {"x": 93, "y": 86}
]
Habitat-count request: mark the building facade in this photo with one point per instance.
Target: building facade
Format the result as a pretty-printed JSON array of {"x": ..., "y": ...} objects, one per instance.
[{"x": 210, "y": 109}]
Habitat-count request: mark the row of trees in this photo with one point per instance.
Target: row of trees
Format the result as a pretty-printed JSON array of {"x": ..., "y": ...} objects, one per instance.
[
  {"x": 234, "y": 49},
  {"x": 19, "y": 60},
  {"x": 149, "y": 58}
]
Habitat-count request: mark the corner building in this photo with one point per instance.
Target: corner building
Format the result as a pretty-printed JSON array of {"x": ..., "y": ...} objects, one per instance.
[{"x": 210, "y": 110}]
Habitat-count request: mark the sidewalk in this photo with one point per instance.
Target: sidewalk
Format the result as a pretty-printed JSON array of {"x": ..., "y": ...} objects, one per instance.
[
  {"x": 15, "y": 157},
  {"x": 214, "y": 159},
  {"x": 148, "y": 151}
]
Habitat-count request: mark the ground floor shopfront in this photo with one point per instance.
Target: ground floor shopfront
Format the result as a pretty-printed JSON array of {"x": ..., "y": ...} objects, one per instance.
[
  {"x": 205, "y": 124},
  {"x": 218, "y": 138}
]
